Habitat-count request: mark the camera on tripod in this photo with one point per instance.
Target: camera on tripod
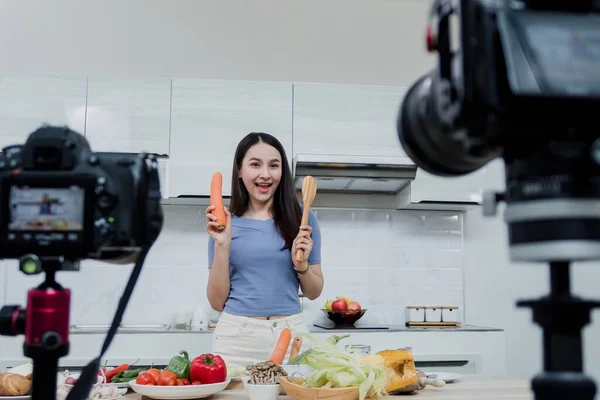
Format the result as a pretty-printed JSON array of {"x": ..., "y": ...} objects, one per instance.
[
  {"x": 520, "y": 80},
  {"x": 60, "y": 202}
]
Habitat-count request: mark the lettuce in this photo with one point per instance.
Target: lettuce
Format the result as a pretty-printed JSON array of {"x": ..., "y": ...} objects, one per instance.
[{"x": 337, "y": 367}]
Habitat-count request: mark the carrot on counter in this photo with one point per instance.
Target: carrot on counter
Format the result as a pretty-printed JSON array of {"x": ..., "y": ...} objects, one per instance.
[
  {"x": 216, "y": 199},
  {"x": 285, "y": 337},
  {"x": 296, "y": 344}
]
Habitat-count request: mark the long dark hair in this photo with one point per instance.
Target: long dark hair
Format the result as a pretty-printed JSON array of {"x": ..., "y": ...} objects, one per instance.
[{"x": 285, "y": 207}]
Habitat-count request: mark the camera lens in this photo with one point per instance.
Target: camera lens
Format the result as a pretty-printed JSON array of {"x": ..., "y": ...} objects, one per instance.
[
  {"x": 426, "y": 133},
  {"x": 553, "y": 201}
]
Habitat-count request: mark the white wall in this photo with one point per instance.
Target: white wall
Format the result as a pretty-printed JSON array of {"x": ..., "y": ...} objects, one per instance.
[
  {"x": 488, "y": 269},
  {"x": 345, "y": 41}
]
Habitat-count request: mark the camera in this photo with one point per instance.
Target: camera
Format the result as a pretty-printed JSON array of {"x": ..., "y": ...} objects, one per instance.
[
  {"x": 60, "y": 203},
  {"x": 520, "y": 80},
  {"x": 59, "y": 198}
]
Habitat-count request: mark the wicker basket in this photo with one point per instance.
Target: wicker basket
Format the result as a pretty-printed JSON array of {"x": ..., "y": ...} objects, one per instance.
[{"x": 298, "y": 391}]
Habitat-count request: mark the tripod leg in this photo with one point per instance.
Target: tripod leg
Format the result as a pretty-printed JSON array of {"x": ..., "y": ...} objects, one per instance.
[
  {"x": 45, "y": 370},
  {"x": 562, "y": 317}
]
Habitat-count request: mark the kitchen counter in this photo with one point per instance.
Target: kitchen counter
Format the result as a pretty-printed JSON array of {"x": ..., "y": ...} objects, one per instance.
[
  {"x": 402, "y": 328},
  {"x": 470, "y": 387},
  {"x": 102, "y": 330}
]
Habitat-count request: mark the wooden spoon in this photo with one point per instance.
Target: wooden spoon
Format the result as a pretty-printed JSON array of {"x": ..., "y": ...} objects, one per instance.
[{"x": 309, "y": 191}]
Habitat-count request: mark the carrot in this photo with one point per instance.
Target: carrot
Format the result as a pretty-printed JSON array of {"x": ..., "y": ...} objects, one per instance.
[
  {"x": 280, "y": 350},
  {"x": 216, "y": 199},
  {"x": 296, "y": 344}
]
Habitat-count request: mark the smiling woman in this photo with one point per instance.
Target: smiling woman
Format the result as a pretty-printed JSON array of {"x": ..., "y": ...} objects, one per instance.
[{"x": 253, "y": 276}]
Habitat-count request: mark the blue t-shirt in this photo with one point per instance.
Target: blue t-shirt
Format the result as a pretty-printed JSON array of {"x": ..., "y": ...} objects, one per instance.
[{"x": 263, "y": 279}]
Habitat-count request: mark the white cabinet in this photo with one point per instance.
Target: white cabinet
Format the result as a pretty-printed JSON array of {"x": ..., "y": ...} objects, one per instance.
[
  {"x": 346, "y": 119},
  {"x": 28, "y": 102},
  {"x": 209, "y": 118},
  {"x": 130, "y": 115}
]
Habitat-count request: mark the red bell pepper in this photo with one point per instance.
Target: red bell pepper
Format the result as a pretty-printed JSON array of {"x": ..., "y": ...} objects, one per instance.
[{"x": 208, "y": 368}]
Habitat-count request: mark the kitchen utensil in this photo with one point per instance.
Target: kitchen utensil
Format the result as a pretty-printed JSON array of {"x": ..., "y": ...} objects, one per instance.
[
  {"x": 309, "y": 191},
  {"x": 345, "y": 318},
  {"x": 178, "y": 392},
  {"x": 296, "y": 389}
]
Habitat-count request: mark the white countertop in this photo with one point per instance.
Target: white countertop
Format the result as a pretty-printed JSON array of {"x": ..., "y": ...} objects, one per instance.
[{"x": 470, "y": 387}]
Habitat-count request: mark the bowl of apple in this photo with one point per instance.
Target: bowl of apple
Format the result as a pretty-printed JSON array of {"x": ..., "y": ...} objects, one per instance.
[{"x": 343, "y": 311}]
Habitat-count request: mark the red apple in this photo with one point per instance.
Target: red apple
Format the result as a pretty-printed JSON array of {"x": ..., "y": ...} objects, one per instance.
[
  {"x": 339, "y": 305},
  {"x": 354, "y": 307}
]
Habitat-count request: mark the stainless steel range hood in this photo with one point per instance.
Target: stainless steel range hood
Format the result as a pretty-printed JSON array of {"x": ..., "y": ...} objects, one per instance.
[{"x": 355, "y": 174}]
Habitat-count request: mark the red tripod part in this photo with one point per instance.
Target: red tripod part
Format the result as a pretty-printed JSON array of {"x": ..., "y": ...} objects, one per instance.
[{"x": 47, "y": 317}]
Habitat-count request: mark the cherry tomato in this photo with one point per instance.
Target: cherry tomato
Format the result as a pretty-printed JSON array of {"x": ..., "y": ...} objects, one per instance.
[
  {"x": 183, "y": 382},
  {"x": 167, "y": 378},
  {"x": 196, "y": 383},
  {"x": 155, "y": 373},
  {"x": 145, "y": 379}
]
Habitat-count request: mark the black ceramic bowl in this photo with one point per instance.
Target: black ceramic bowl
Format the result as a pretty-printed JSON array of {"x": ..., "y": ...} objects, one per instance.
[{"x": 344, "y": 317}]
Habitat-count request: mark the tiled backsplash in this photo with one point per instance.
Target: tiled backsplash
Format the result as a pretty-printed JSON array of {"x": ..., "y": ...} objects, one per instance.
[{"x": 384, "y": 260}]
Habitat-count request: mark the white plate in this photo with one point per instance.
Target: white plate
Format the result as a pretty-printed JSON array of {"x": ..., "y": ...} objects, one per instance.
[
  {"x": 120, "y": 385},
  {"x": 447, "y": 377},
  {"x": 178, "y": 392}
]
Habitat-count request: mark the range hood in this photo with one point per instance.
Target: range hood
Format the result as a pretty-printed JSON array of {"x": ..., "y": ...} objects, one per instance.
[{"x": 354, "y": 173}]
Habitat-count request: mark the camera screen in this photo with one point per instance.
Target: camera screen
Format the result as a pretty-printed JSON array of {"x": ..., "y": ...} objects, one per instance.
[{"x": 46, "y": 214}]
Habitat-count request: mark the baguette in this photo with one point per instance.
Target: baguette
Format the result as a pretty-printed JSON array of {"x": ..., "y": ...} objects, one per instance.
[{"x": 14, "y": 385}]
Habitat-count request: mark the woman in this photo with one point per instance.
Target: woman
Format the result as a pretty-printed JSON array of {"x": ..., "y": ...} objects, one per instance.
[{"x": 253, "y": 273}]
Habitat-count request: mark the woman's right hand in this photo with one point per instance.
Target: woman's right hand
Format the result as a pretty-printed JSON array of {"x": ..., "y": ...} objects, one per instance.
[{"x": 220, "y": 237}]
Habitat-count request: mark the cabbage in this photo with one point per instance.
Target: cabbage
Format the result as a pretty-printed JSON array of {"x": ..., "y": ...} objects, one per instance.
[{"x": 337, "y": 367}]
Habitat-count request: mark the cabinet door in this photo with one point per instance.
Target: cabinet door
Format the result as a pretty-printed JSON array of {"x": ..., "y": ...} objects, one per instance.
[
  {"x": 28, "y": 102},
  {"x": 209, "y": 118},
  {"x": 346, "y": 119},
  {"x": 129, "y": 114}
]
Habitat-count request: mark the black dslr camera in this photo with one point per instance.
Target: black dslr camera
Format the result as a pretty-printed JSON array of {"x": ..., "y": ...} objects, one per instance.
[
  {"x": 59, "y": 198},
  {"x": 60, "y": 202},
  {"x": 520, "y": 80}
]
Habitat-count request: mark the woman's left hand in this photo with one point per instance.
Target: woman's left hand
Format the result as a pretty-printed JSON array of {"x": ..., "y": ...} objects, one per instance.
[{"x": 303, "y": 242}]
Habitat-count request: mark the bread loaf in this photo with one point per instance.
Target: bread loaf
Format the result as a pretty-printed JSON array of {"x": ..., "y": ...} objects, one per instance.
[{"x": 14, "y": 385}]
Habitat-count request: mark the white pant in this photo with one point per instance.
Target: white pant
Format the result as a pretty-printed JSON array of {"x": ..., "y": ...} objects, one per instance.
[{"x": 245, "y": 340}]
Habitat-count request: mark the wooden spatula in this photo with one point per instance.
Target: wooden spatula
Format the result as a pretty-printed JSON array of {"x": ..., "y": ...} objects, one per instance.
[{"x": 309, "y": 191}]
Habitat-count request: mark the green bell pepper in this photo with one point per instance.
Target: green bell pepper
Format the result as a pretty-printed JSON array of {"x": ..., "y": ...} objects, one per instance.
[{"x": 180, "y": 365}]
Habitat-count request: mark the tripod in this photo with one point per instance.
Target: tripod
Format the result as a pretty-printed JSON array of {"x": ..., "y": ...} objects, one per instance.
[
  {"x": 562, "y": 318},
  {"x": 45, "y": 324}
]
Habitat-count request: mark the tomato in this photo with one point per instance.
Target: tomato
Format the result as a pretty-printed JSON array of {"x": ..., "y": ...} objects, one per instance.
[
  {"x": 155, "y": 373},
  {"x": 197, "y": 383},
  {"x": 167, "y": 378},
  {"x": 183, "y": 382},
  {"x": 145, "y": 379}
]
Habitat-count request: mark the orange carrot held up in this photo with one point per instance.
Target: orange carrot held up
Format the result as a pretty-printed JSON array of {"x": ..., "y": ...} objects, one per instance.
[
  {"x": 285, "y": 337},
  {"x": 216, "y": 199}
]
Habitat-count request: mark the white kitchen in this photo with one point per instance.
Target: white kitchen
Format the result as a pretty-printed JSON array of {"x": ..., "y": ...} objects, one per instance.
[{"x": 187, "y": 80}]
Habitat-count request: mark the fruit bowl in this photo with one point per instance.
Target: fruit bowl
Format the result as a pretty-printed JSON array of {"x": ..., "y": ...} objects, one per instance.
[{"x": 346, "y": 318}]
